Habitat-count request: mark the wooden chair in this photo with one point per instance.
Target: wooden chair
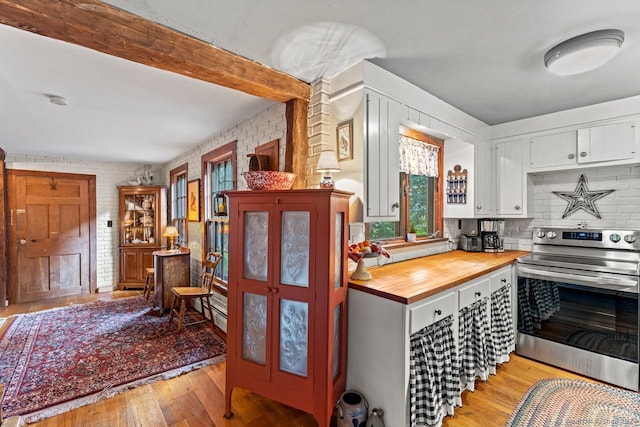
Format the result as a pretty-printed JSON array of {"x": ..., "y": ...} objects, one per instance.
[
  {"x": 149, "y": 282},
  {"x": 182, "y": 296}
]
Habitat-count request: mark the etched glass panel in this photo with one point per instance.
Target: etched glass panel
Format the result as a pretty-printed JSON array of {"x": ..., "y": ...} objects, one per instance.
[
  {"x": 294, "y": 337},
  {"x": 336, "y": 340},
  {"x": 338, "y": 250},
  {"x": 254, "y": 309},
  {"x": 256, "y": 245},
  {"x": 294, "y": 259}
]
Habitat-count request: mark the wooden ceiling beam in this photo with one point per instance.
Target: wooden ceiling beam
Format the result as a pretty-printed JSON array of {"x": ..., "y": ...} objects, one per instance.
[{"x": 104, "y": 28}]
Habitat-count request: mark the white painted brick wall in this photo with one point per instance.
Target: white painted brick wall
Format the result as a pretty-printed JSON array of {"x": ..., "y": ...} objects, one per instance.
[
  {"x": 108, "y": 176},
  {"x": 263, "y": 127}
]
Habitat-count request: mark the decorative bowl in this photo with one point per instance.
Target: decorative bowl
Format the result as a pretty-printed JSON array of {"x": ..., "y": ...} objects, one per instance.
[{"x": 269, "y": 180}]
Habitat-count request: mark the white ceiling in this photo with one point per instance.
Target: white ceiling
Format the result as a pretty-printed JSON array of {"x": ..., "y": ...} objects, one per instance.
[{"x": 482, "y": 56}]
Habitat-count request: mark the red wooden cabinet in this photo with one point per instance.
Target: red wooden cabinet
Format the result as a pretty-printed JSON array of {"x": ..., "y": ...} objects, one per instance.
[{"x": 287, "y": 324}]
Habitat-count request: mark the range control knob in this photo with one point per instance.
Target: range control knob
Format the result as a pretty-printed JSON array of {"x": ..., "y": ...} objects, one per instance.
[
  {"x": 540, "y": 234},
  {"x": 551, "y": 234},
  {"x": 615, "y": 238},
  {"x": 630, "y": 238}
]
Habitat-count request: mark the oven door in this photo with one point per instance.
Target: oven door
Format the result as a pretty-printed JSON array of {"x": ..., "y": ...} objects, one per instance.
[{"x": 583, "y": 321}]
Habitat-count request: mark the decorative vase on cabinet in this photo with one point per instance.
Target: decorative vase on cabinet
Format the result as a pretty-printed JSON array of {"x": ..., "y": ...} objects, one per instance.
[
  {"x": 287, "y": 311},
  {"x": 142, "y": 218}
]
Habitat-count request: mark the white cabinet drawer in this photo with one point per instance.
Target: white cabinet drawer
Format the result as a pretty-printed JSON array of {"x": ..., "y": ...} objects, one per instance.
[
  {"x": 431, "y": 312},
  {"x": 500, "y": 279},
  {"x": 472, "y": 293}
]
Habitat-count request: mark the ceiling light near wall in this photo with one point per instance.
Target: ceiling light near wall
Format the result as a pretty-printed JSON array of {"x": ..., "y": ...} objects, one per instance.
[{"x": 584, "y": 52}]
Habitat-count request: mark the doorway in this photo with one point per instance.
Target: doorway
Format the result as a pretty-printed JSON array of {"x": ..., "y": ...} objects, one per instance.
[{"x": 52, "y": 235}]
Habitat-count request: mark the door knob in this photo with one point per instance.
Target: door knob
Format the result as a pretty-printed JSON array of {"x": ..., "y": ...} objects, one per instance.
[
  {"x": 583, "y": 154},
  {"x": 571, "y": 156}
]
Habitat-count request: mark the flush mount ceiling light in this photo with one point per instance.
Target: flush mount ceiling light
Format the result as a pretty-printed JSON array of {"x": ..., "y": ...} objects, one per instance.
[{"x": 584, "y": 52}]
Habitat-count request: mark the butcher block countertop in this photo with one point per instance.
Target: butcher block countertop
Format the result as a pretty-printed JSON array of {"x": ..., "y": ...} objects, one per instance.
[{"x": 419, "y": 278}]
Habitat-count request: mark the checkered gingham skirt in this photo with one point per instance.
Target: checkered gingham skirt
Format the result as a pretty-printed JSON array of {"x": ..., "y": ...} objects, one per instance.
[
  {"x": 434, "y": 374},
  {"x": 476, "y": 347},
  {"x": 502, "y": 329}
]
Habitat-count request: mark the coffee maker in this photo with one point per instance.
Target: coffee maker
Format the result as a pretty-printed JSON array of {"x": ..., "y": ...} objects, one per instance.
[{"x": 492, "y": 234}]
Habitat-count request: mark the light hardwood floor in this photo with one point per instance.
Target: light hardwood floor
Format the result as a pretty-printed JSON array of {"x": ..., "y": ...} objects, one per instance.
[{"x": 197, "y": 398}]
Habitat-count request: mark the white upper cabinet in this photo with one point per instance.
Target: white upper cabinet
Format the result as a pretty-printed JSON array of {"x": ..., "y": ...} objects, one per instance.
[
  {"x": 614, "y": 141},
  {"x": 572, "y": 148},
  {"x": 553, "y": 150},
  {"x": 511, "y": 179},
  {"x": 472, "y": 196},
  {"x": 382, "y": 158}
]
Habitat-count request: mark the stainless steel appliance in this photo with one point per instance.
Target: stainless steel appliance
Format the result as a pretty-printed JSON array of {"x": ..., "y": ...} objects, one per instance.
[
  {"x": 471, "y": 243},
  {"x": 577, "y": 296},
  {"x": 492, "y": 234}
]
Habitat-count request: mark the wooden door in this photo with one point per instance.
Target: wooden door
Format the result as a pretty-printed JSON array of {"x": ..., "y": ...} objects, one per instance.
[{"x": 50, "y": 241}]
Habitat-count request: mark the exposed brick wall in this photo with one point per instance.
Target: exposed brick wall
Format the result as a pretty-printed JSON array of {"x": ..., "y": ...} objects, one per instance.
[
  {"x": 108, "y": 176},
  {"x": 263, "y": 127},
  {"x": 320, "y": 133}
]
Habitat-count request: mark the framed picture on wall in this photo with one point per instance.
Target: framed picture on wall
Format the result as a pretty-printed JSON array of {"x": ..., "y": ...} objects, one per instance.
[
  {"x": 344, "y": 135},
  {"x": 193, "y": 200}
]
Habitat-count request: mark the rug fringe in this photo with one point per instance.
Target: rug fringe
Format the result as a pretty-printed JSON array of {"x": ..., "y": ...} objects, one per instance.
[{"x": 113, "y": 391}]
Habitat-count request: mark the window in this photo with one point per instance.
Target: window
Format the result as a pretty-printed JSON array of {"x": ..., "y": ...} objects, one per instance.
[
  {"x": 421, "y": 203},
  {"x": 178, "y": 197},
  {"x": 218, "y": 170}
]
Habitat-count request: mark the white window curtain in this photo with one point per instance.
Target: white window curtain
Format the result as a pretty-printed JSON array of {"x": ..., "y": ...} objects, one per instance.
[{"x": 418, "y": 157}]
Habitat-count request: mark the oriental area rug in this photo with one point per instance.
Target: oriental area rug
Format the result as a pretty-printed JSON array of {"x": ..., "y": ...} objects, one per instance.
[
  {"x": 561, "y": 402},
  {"x": 57, "y": 360}
]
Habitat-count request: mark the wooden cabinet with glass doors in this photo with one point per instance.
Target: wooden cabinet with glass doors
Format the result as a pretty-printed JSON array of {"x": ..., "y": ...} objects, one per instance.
[
  {"x": 142, "y": 219},
  {"x": 287, "y": 297}
]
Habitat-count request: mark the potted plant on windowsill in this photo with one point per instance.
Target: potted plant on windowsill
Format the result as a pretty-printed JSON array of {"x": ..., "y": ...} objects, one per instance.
[{"x": 411, "y": 234}]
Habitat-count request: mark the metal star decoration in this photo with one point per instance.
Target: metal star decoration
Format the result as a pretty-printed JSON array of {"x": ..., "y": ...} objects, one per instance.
[{"x": 582, "y": 198}]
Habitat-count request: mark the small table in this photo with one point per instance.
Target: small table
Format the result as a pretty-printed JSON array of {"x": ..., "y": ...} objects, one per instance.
[{"x": 172, "y": 268}]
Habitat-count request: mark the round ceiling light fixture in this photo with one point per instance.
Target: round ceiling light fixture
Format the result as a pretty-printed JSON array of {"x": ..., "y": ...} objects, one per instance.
[{"x": 584, "y": 52}]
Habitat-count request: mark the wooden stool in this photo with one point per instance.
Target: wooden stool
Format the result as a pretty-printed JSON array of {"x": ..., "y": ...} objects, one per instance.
[{"x": 149, "y": 282}]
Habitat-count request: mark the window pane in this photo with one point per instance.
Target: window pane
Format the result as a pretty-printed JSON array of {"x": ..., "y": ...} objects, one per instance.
[
  {"x": 384, "y": 230},
  {"x": 421, "y": 203}
]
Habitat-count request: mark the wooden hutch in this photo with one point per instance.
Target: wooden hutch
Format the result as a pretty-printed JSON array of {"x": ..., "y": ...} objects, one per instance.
[{"x": 142, "y": 219}]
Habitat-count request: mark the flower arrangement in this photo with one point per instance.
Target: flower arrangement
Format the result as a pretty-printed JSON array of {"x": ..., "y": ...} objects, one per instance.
[{"x": 363, "y": 249}]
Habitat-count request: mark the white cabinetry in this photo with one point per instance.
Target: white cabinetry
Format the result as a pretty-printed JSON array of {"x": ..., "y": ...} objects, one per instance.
[
  {"x": 555, "y": 149},
  {"x": 382, "y": 169},
  {"x": 608, "y": 142},
  {"x": 476, "y": 159},
  {"x": 603, "y": 143},
  {"x": 511, "y": 179},
  {"x": 380, "y": 332}
]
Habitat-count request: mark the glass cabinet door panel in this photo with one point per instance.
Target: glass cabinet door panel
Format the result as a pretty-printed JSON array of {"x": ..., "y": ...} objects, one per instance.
[
  {"x": 256, "y": 245},
  {"x": 294, "y": 257},
  {"x": 294, "y": 337},
  {"x": 338, "y": 250},
  {"x": 336, "y": 340},
  {"x": 254, "y": 313}
]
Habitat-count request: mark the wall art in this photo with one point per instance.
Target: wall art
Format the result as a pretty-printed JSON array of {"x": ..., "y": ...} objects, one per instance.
[{"x": 582, "y": 198}]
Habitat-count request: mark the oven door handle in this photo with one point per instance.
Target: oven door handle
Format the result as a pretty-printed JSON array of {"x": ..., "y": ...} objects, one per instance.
[{"x": 602, "y": 280}]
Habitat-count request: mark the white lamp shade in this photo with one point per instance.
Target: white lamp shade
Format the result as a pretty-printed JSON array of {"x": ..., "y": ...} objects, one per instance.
[
  {"x": 584, "y": 52},
  {"x": 171, "y": 231},
  {"x": 328, "y": 162}
]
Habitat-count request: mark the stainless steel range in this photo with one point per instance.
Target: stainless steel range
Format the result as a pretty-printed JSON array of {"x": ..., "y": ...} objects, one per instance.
[{"x": 577, "y": 296}]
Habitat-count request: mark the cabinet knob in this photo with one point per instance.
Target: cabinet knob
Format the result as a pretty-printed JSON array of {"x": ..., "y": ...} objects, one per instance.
[
  {"x": 275, "y": 290},
  {"x": 395, "y": 206},
  {"x": 517, "y": 207},
  {"x": 479, "y": 207},
  {"x": 438, "y": 312},
  {"x": 504, "y": 280},
  {"x": 583, "y": 154},
  {"x": 571, "y": 156},
  {"x": 478, "y": 294}
]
